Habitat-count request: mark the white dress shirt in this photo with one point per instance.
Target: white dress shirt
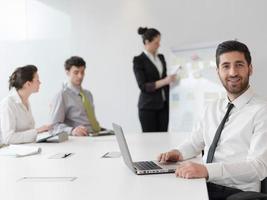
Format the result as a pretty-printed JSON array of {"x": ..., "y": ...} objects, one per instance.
[
  {"x": 16, "y": 121},
  {"x": 240, "y": 159},
  {"x": 156, "y": 61}
]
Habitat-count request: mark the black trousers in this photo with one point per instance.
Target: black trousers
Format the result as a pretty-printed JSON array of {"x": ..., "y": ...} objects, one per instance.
[
  {"x": 155, "y": 120},
  {"x": 219, "y": 192}
]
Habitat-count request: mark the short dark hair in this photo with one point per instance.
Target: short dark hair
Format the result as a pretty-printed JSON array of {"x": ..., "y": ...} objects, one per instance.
[
  {"x": 74, "y": 61},
  {"x": 232, "y": 45},
  {"x": 148, "y": 33},
  {"x": 21, "y": 75}
]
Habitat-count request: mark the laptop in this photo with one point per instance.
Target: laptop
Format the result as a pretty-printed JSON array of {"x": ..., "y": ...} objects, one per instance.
[{"x": 143, "y": 167}]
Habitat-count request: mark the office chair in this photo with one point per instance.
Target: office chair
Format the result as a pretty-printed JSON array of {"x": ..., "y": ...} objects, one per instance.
[{"x": 251, "y": 195}]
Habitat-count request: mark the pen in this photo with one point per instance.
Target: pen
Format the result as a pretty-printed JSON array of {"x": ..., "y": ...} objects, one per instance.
[
  {"x": 105, "y": 155},
  {"x": 66, "y": 155}
]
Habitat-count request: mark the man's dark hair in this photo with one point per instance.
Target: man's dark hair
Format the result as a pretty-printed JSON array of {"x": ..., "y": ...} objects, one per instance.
[
  {"x": 148, "y": 33},
  {"x": 232, "y": 45},
  {"x": 74, "y": 61},
  {"x": 21, "y": 75}
]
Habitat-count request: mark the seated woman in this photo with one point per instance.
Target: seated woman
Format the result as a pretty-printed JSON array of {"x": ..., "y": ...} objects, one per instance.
[{"x": 16, "y": 120}]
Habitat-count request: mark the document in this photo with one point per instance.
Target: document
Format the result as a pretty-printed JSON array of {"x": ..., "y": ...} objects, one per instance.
[
  {"x": 47, "y": 179},
  {"x": 60, "y": 155},
  {"x": 174, "y": 70},
  {"x": 112, "y": 154},
  {"x": 19, "y": 150}
]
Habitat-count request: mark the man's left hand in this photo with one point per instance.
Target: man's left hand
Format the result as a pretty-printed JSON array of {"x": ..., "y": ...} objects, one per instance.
[{"x": 191, "y": 170}]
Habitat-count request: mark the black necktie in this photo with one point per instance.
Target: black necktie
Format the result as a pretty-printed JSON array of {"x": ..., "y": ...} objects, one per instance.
[{"x": 218, "y": 134}]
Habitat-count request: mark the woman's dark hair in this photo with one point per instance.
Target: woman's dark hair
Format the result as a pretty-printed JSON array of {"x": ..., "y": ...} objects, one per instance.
[
  {"x": 74, "y": 61},
  {"x": 148, "y": 33},
  {"x": 21, "y": 75},
  {"x": 232, "y": 45}
]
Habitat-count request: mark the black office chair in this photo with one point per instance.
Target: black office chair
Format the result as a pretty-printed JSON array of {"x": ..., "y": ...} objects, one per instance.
[{"x": 251, "y": 195}]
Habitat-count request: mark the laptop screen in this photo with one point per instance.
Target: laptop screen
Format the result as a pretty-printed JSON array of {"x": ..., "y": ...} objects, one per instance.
[{"x": 123, "y": 146}]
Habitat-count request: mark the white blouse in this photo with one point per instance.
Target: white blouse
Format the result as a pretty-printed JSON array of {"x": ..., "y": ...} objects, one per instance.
[
  {"x": 16, "y": 121},
  {"x": 156, "y": 61}
]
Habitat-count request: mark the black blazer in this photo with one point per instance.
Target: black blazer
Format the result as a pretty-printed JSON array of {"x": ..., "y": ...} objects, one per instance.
[{"x": 146, "y": 75}]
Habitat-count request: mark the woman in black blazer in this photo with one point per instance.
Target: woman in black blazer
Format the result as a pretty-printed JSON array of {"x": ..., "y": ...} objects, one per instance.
[{"x": 150, "y": 72}]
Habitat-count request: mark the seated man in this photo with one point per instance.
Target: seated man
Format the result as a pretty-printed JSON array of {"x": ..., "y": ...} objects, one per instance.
[
  {"x": 72, "y": 109},
  {"x": 232, "y": 132}
]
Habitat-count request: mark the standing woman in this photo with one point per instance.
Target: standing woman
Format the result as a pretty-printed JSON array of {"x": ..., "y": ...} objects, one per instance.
[
  {"x": 16, "y": 120},
  {"x": 150, "y": 72}
]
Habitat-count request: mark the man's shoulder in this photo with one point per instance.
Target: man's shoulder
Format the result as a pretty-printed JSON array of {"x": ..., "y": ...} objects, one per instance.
[
  {"x": 60, "y": 92},
  {"x": 259, "y": 100},
  {"x": 259, "y": 104},
  {"x": 63, "y": 91},
  {"x": 88, "y": 93}
]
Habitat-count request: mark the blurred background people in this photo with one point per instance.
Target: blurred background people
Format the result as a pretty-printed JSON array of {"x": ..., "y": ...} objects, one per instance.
[
  {"x": 151, "y": 75},
  {"x": 16, "y": 120}
]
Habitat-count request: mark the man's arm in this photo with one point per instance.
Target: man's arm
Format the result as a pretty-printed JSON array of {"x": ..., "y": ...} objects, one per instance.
[
  {"x": 254, "y": 168},
  {"x": 195, "y": 143},
  {"x": 188, "y": 149},
  {"x": 57, "y": 116}
]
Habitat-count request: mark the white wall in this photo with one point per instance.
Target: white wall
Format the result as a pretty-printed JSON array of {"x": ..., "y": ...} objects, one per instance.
[{"x": 46, "y": 32}]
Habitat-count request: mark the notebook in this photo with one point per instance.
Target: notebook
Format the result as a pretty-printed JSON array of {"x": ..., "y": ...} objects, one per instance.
[
  {"x": 56, "y": 138},
  {"x": 19, "y": 150},
  {"x": 143, "y": 167},
  {"x": 102, "y": 133}
]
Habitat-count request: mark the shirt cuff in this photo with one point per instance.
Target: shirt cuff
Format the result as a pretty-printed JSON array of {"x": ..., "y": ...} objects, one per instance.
[
  {"x": 29, "y": 136},
  {"x": 150, "y": 87},
  {"x": 186, "y": 151},
  {"x": 214, "y": 171},
  {"x": 68, "y": 130}
]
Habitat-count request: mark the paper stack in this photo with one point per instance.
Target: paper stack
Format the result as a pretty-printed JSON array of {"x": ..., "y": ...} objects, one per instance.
[{"x": 19, "y": 150}]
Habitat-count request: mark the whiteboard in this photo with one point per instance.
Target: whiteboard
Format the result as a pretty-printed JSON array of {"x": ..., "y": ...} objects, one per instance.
[{"x": 197, "y": 85}]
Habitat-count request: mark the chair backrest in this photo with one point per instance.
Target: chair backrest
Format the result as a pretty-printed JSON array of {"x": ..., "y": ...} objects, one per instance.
[{"x": 264, "y": 186}]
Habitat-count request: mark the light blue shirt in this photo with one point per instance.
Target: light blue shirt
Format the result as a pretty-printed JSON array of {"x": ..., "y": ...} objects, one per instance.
[{"x": 67, "y": 110}]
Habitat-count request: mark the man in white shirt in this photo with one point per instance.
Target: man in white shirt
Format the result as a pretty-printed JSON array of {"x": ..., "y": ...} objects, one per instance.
[{"x": 238, "y": 161}]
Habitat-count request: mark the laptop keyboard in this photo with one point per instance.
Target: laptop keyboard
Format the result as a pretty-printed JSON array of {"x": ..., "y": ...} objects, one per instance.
[{"x": 147, "y": 165}]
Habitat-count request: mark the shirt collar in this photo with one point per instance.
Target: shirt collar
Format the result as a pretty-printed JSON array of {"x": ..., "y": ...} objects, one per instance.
[
  {"x": 15, "y": 96},
  {"x": 242, "y": 100},
  {"x": 73, "y": 88},
  {"x": 150, "y": 55}
]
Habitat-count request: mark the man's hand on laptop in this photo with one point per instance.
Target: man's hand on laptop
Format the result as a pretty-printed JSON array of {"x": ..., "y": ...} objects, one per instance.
[
  {"x": 170, "y": 156},
  {"x": 79, "y": 131},
  {"x": 191, "y": 170}
]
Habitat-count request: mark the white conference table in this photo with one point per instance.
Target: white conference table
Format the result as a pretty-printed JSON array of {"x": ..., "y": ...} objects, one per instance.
[{"x": 97, "y": 177}]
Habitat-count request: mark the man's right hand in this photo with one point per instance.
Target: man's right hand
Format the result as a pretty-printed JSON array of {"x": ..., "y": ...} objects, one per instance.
[
  {"x": 170, "y": 156},
  {"x": 79, "y": 131}
]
